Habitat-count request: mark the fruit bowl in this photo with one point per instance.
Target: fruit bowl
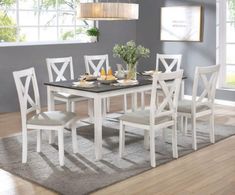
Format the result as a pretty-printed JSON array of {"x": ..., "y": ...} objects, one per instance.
[{"x": 107, "y": 79}]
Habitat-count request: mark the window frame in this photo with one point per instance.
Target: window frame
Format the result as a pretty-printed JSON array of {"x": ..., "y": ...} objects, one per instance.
[
  {"x": 221, "y": 42},
  {"x": 37, "y": 26}
]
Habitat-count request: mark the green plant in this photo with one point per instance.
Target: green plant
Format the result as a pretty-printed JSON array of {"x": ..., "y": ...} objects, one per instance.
[
  {"x": 130, "y": 52},
  {"x": 93, "y": 32},
  {"x": 8, "y": 34}
]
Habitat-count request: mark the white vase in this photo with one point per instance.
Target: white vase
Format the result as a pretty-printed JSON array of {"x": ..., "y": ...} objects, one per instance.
[{"x": 93, "y": 39}]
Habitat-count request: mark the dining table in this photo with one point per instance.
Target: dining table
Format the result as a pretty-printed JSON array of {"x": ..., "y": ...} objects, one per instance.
[{"x": 97, "y": 94}]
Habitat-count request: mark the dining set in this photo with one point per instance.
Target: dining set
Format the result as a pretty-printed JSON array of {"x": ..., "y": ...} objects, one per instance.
[{"x": 165, "y": 86}]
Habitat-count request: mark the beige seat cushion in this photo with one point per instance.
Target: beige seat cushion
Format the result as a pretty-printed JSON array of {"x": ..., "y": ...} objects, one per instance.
[
  {"x": 143, "y": 117},
  {"x": 66, "y": 95},
  {"x": 185, "y": 106},
  {"x": 53, "y": 118}
]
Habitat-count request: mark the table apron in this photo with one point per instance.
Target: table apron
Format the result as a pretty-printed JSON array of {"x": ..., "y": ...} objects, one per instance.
[{"x": 101, "y": 94}]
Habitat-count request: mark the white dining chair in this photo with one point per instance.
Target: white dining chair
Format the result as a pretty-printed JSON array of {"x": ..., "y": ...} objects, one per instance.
[
  {"x": 93, "y": 65},
  {"x": 202, "y": 103},
  {"x": 168, "y": 62},
  {"x": 159, "y": 116},
  {"x": 57, "y": 68},
  {"x": 54, "y": 120},
  {"x": 164, "y": 63}
]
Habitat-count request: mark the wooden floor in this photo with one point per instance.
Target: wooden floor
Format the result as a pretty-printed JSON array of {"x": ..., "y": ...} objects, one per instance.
[{"x": 205, "y": 172}]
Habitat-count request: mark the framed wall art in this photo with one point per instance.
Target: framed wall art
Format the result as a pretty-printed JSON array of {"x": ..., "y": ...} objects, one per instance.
[{"x": 181, "y": 23}]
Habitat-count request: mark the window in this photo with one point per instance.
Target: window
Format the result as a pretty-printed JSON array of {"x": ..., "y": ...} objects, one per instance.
[
  {"x": 41, "y": 21},
  {"x": 226, "y": 41}
]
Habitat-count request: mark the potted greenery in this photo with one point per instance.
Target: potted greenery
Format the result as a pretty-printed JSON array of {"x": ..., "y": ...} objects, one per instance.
[
  {"x": 93, "y": 33},
  {"x": 130, "y": 53}
]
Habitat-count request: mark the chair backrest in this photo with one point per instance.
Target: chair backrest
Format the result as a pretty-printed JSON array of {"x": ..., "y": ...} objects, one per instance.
[
  {"x": 23, "y": 80},
  {"x": 169, "y": 62},
  {"x": 58, "y": 66},
  {"x": 102, "y": 60},
  {"x": 169, "y": 85},
  {"x": 207, "y": 77}
]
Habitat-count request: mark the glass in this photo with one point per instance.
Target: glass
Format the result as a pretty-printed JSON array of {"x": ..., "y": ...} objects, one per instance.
[
  {"x": 48, "y": 33},
  {"x": 5, "y": 5},
  {"x": 66, "y": 4},
  {"x": 66, "y": 18},
  {"x": 28, "y": 4},
  {"x": 47, "y": 4},
  {"x": 28, "y": 34},
  {"x": 230, "y": 32},
  {"x": 48, "y": 18},
  {"x": 8, "y": 18},
  {"x": 66, "y": 33},
  {"x": 230, "y": 57},
  {"x": 8, "y": 35},
  {"x": 230, "y": 75},
  {"x": 84, "y": 22},
  {"x": 28, "y": 18}
]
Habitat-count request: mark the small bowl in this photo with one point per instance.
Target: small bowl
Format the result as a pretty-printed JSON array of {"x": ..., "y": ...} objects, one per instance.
[
  {"x": 106, "y": 81},
  {"x": 89, "y": 77}
]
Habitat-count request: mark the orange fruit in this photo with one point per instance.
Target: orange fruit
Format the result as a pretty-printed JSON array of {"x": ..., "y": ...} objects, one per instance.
[
  {"x": 110, "y": 72},
  {"x": 103, "y": 73}
]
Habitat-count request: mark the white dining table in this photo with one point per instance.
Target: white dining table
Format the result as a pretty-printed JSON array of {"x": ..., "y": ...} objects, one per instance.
[{"x": 98, "y": 93}]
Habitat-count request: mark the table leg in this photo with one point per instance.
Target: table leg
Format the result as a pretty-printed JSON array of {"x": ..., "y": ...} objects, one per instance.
[
  {"x": 134, "y": 101},
  {"x": 142, "y": 100},
  {"x": 125, "y": 103},
  {"x": 51, "y": 107},
  {"x": 98, "y": 127},
  {"x": 182, "y": 90}
]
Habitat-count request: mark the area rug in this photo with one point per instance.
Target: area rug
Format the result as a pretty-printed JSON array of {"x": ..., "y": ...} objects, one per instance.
[{"x": 82, "y": 174}]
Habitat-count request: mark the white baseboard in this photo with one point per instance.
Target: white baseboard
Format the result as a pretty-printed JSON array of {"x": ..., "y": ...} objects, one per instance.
[{"x": 217, "y": 101}]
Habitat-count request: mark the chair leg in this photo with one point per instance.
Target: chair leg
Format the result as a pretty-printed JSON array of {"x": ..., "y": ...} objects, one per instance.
[
  {"x": 104, "y": 107},
  {"x": 185, "y": 126},
  {"x": 182, "y": 124},
  {"x": 90, "y": 110},
  {"x": 74, "y": 139},
  {"x": 194, "y": 133},
  {"x": 108, "y": 104},
  {"x": 24, "y": 145},
  {"x": 39, "y": 140},
  {"x": 164, "y": 134},
  {"x": 142, "y": 100},
  {"x": 125, "y": 104},
  {"x": 68, "y": 106},
  {"x": 152, "y": 147},
  {"x": 121, "y": 139},
  {"x": 174, "y": 140},
  {"x": 61, "y": 146},
  {"x": 212, "y": 128},
  {"x": 146, "y": 139},
  {"x": 73, "y": 104}
]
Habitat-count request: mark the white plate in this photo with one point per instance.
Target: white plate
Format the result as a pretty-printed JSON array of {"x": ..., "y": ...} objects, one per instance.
[
  {"x": 127, "y": 82},
  {"x": 85, "y": 84},
  {"x": 88, "y": 77},
  {"x": 150, "y": 72}
]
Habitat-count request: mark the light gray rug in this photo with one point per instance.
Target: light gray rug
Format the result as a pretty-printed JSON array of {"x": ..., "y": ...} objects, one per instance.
[{"x": 81, "y": 173}]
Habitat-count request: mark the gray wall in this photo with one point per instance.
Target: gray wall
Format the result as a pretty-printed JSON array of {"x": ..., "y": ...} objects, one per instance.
[
  {"x": 17, "y": 58},
  {"x": 146, "y": 31},
  {"x": 194, "y": 54}
]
